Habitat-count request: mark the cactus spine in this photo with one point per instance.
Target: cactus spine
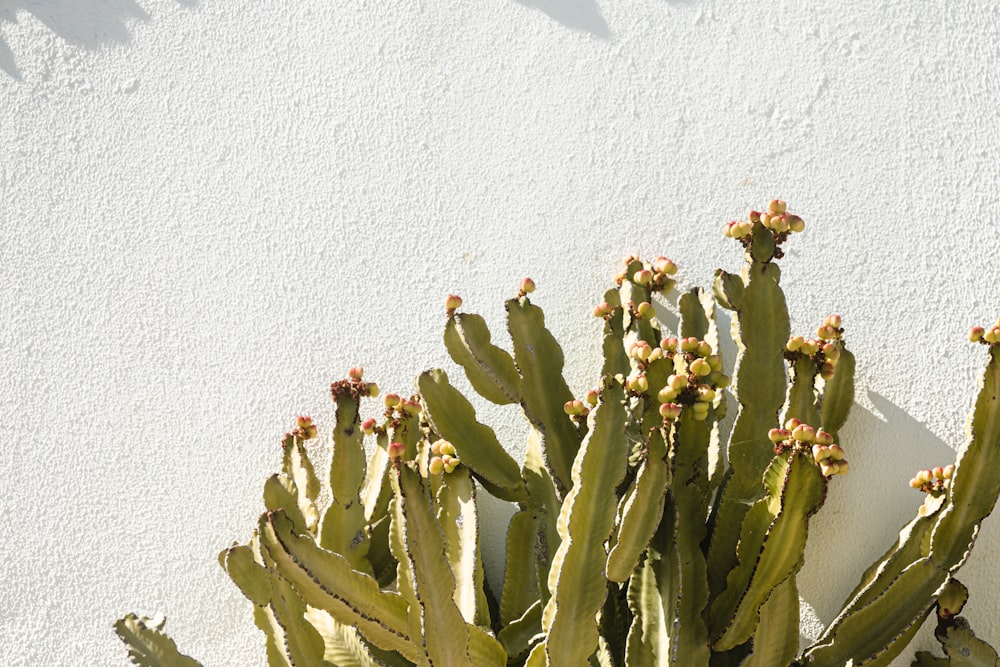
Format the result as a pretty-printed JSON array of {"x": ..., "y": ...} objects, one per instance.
[{"x": 644, "y": 534}]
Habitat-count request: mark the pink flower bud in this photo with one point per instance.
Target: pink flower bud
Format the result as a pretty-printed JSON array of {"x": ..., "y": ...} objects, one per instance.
[
  {"x": 666, "y": 395},
  {"x": 976, "y": 334},
  {"x": 754, "y": 216},
  {"x": 791, "y": 424},
  {"x": 391, "y": 400},
  {"x": 948, "y": 472},
  {"x": 700, "y": 367},
  {"x": 836, "y": 453},
  {"x": 833, "y": 321},
  {"x": 355, "y": 373},
  {"x": 527, "y": 285},
  {"x": 824, "y": 438},
  {"x": 677, "y": 382},
  {"x": 690, "y": 344},
  {"x": 804, "y": 433},
  {"x": 820, "y": 453},
  {"x": 303, "y": 422},
  {"x": 602, "y": 309},
  {"x": 395, "y": 450},
  {"x": 777, "y": 435},
  {"x": 915, "y": 483},
  {"x": 669, "y": 344},
  {"x": 794, "y": 343},
  {"x": 592, "y": 397},
  {"x": 777, "y": 206},
  {"x": 452, "y": 303},
  {"x": 643, "y": 277},
  {"x": 368, "y": 426},
  {"x": 938, "y": 472},
  {"x": 706, "y": 394},
  {"x": 670, "y": 411},
  {"x": 665, "y": 266},
  {"x": 796, "y": 224},
  {"x": 827, "y": 370}
]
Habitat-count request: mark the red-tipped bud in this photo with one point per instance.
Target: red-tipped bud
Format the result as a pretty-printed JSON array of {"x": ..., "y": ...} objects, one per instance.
[
  {"x": 836, "y": 453},
  {"x": 796, "y": 224},
  {"x": 666, "y": 395},
  {"x": 827, "y": 370},
  {"x": 391, "y": 400},
  {"x": 824, "y": 438},
  {"x": 826, "y": 332},
  {"x": 677, "y": 382},
  {"x": 976, "y": 334},
  {"x": 727, "y": 229},
  {"x": 829, "y": 468},
  {"x": 992, "y": 336},
  {"x": 395, "y": 450},
  {"x": 777, "y": 435},
  {"x": 527, "y": 286},
  {"x": 925, "y": 476},
  {"x": 643, "y": 277},
  {"x": 303, "y": 422},
  {"x": 411, "y": 408},
  {"x": 777, "y": 207},
  {"x": 640, "y": 350},
  {"x": 452, "y": 303},
  {"x": 355, "y": 373},
  {"x": 754, "y": 216},
  {"x": 831, "y": 352},
  {"x": 794, "y": 343},
  {"x": 670, "y": 411},
  {"x": 602, "y": 309},
  {"x": 842, "y": 467},
  {"x": 833, "y": 321},
  {"x": 791, "y": 424},
  {"x": 450, "y": 466},
  {"x": 665, "y": 266},
  {"x": 592, "y": 397},
  {"x": 669, "y": 344},
  {"x": 368, "y": 426},
  {"x": 938, "y": 472},
  {"x": 804, "y": 433},
  {"x": 638, "y": 383},
  {"x": 915, "y": 483},
  {"x": 690, "y": 344},
  {"x": 948, "y": 472},
  {"x": 820, "y": 453}
]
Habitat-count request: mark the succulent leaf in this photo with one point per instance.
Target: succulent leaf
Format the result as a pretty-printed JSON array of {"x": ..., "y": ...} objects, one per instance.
[
  {"x": 490, "y": 369},
  {"x": 148, "y": 646}
]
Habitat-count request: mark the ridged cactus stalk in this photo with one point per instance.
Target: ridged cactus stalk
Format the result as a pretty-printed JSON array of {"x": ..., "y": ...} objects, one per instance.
[{"x": 645, "y": 533}]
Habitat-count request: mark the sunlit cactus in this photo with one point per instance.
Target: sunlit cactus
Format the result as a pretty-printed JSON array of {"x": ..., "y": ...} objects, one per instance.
[{"x": 644, "y": 533}]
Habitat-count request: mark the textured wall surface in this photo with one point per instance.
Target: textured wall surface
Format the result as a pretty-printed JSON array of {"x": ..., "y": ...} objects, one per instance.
[{"x": 213, "y": 209}]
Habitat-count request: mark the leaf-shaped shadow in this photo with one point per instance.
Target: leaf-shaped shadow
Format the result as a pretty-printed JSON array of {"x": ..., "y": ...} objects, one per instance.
[
  {"x": 582, "y": 15},
  {"x": 87, "y": 23}
]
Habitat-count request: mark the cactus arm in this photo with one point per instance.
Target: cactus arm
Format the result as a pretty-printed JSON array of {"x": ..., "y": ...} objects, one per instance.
[
  {"x": 456, "y": 513},
  {"x": 760, "y": 329},
  {"x": 343, "y": 647},
  {"x": 148, "y": 646},
  {"x": 544, "y": 506},
  {"x": 520, "y": 581},
  {"x": 280, "y": 492},
  {"x": 642, "y": 511},
  {"x": 376, "y": 490},
  {"x": 796, "y": 490},
  {"x": 343, "y": 528},
  {"x": 962, "y": 646},
  {"x": 297, "y": 640},
  {"x": 615, "y": 358},
  {"x": 296, "y": 464},
  {"x": 454, "y": 419},
  {"x": 490, "y": 369},
  {"x": 327, "y": 581},
  {"x": 484, "y": 649},
  {"x": 802, "y": 395},
  {"x": 878, "y": 627},
  {"x": 445, "y": 633},
  {"x": 576, "y": 578},
  {"x": 976, "y": 483},
  {"x": 774, "y": 644},
  {"x": 539, "y": 360},
  {"x": 518, "y": 635},
  {"x": 652, "y": 593},
  {"x": 251, "y": 577},
  {"x": 838, "y": 394}
]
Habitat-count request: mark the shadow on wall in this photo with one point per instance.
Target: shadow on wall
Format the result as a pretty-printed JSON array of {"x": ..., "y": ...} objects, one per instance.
[
  {"x": 581, "y": 15},
  {"x": 87, "y": 23}
]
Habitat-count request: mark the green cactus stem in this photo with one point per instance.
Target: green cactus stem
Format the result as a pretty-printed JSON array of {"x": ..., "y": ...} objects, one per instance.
[
  {"x": 544, "y": 392},
  {"x": 576, "y": 578},
  {"x": 490, "y": 369},
  {"x": 520, "y": 581},
  {"x": 148, "y": 646},
  {"x": 454, "y": 419}
]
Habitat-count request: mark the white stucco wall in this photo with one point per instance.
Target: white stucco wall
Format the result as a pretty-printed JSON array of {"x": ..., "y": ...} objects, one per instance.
[{"x": 213, "y": 209}]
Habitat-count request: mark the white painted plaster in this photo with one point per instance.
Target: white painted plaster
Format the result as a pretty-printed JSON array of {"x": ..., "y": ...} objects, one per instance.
[{"x": 213, "y": 209}]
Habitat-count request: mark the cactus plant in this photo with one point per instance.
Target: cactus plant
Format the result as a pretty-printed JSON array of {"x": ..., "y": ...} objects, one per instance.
[{"x": 645, "y": 534}]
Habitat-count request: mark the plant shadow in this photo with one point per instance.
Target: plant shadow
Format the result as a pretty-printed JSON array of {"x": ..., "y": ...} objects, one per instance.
[
  {"x": 87, "y": 23},
  {"x": 579, "y": 15}
]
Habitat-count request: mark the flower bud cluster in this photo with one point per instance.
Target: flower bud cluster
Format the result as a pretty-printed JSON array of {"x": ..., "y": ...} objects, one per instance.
[
  {"x": 654, "y": 276},
  {"x": 696, "y": 378},
  {"x": 796, "y": 435},
  {"x": 578, "y": 410},
  {"x": 354, "y": 386},
  {"x": 824, "y": 349},
  {"x": 776, "y": 219},
  {"x": 445, "y": 459},
  {"x": 986, "y": 336},
  {"x": 304, "y": 429},
  {"x": 933, "y": 480}
]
